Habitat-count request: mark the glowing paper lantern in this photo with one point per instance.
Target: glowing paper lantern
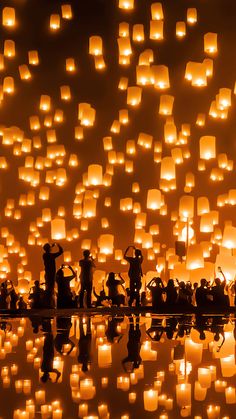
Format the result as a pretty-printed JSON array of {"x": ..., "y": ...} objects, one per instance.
[
  {"x": 156, "y": 30},
  {"x": 126, "y": 4},
  {"x": 183, "y": 394},
  {"x": 134, "y": 95},
  {"x": 180, "y": 29},
  {"x": 33, "y": 57},
  {"x": 8, "y": 85},
  {"x": 124, "y": 46},
  {"x": 95, "y": 175},
  {"x": 9, "y": 48},
  {"x": 229, "y": 237},
  {"x": 167, "y": 168},
  {"x": 207, "y": 147},
  {"x": 66, "y": 11},
  {"x": 191, "y": 15},
  {"x": 106, "y": 243},
  {"x": 186, "y": 206},
  {"x": 154, "y": 200},
  {"x": 8, "y": 16},
  {"x": 55, "y": 22},
  {"x": 150, "y": 400},
  {"x": 166, "y": 105},
  {"x": 58, "y": 229},
  {"x": 194, "y": 258},
  {"x": 95, "y": 45},
  {"x": 210, "y": 43},
  {"x": 138, "y": 33},
  {"x": 157, "y": 11}
]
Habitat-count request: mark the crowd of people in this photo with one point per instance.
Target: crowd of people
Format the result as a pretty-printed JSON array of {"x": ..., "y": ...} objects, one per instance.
[{"x": 58, "y": 293}]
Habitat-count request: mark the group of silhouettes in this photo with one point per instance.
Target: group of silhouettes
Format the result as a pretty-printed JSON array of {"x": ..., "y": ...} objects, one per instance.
[{"x": 176, "y": 294}]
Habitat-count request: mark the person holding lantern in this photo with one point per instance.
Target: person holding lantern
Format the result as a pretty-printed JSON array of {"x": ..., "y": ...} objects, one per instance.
[{"x": 135, "y": 274}]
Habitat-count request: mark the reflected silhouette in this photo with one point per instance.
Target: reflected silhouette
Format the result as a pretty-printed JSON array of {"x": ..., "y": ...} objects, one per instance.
[
  {"x": 112, "y": 333},
  {"x": 133, "y": 360},
  {"x": 62, "y": 337},
  {"x": 48, "y": 352},
  {"x": 84, "y": 344}
]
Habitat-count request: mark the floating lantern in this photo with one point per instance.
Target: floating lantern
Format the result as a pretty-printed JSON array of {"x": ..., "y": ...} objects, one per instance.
[
  {"x": 154, "y": 199},
  {"x": 55, "y": 22},
  {"x": 166, "y": 105},
  {"x": 207, "y": 147},
  {"x": 58, "y": 229},
  {"x": 191, "y": 15},
  {"x": 138, "y": 33},
  {"x": 180, "y": 29},
  {"x": 150, "y": 400},
  {"x": 210, "y": 43},
  {"x": 124, "y": 46},
  {"x": 194, "y": 259},
  {"x": 95, "y": 175},
  {"x": 126, "y": 4},
  {"x": 134, "y": 95},
  {"x": 66, "y": 11},
  {"x": 156, "y": 30},
  {"x": 8, "y": 16}
]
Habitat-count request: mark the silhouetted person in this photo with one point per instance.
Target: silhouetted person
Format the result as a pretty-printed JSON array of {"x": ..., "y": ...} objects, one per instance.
[
  {"x": 202, "y": 295},
  {"x": 37, "y": 296},
  {"x": 220, "y": 300},
  {"x": 84, "y": 344},
  {"x": 63, "y": 335},
  {"x": 49, "y": 259},
  {"x": 156, "y": 330},
  {"x": 4, "y": 296},
  {"x": 64, "y": 293},
  {"x": 135, "y": 274},
  {"x": 22, "y": 305},
  {"x": 87, "y": 266},
  {"x": 102, "y": 298},
  {"x": 12, "y": 294},
  {"x": 157, "y": 288},
  {"x": 48, "y": 353},
  {"x": 184, "y": 296},
  {"x": 133, "y": 360},
  {"x": 171, "y": 293},
  {"x": 113, "y": 285}
]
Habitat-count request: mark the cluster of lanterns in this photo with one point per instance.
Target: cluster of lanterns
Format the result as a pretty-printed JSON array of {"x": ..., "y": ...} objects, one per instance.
[{"x": 47, "y": 162}]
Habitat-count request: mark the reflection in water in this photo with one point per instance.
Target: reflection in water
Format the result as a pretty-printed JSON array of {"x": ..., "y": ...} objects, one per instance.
[{"x": 118, "y": 367}]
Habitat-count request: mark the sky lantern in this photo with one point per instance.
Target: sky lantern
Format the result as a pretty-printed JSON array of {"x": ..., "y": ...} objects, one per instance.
[
  {"x": 207, "y": 147},
  {"x": 210, "y": 43},
  {"x": 138, "y": 33},
  {"x": 194, "y": 258},
  {"x": 186, "y": 206},
  {"x": 9, "y": 49},
  {"x": 145, "y": 140},
  {"x": 8, "y": 85},
  {"x": 134, "y": 95},
  {"x": 150, "y": 398},
  {"x": 224, "y": 98},
  {"x": 126, "y": 4},
  {"x": 24, "y": 72},
  {"x": 153, "y": 199},
  {"x": 124, "y": 29},
  {"x": 180, "y": 29},
  {"x": 33, "y": 57},
  {"x": 124, "y": 46},
  {"x": 203, "y": 206},
  {"x": 166, "y": 104},
  {"x": 106, "y": 243},
  {"x": 199, "y": 75},
  {"x": 8, "y": 17},
  {"x": 55, "y": 22},
  {"x": 156, "y": 30},
  {"x": 144, "y": 74},
  {"x": 192, "y": 15},
  {"x": 95, "y": 175},
  {"x": 229, "y": 237},
  {"x": 170, "y": 133},
  {"x": 160, "y": 74},
  {"x": 157, "y": 11},
  {"x": 66, "y": 11},
  {"x": 58, "y": 229},
  {"x": 95, "y": 45},
  {"x": 167, "y": 168}
]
